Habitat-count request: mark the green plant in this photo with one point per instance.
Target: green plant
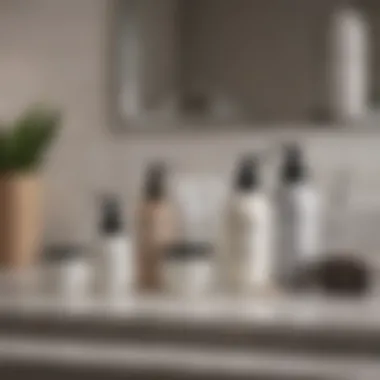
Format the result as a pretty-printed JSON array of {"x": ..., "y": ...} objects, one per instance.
[{"x": 24, "y": 142}]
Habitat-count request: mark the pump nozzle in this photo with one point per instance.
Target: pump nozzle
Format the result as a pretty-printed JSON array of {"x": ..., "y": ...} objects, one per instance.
[{"x": 247, "y": 178}]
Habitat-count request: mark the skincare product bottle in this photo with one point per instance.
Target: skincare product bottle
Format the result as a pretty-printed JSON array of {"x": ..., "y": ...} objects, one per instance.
[
  {"x": 156, "y": 226},
  {"x": 115, "y": 266},
  {"x": 298, "y": 216},
  {"x": 248, "y": 261}
]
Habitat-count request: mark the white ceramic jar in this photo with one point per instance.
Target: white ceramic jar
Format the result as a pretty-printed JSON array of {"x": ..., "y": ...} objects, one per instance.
[
  {"x": 67, "y": 273},
  {"x": 188, "y": 270}
]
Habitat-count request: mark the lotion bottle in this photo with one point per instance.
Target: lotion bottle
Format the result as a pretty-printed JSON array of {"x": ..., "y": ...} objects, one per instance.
[
  {"x": 248, "y": 261},
  {"x": 115, "y": 266},
  {"x": 298, "y": 216},
  {"x": 156, "y": 227}
]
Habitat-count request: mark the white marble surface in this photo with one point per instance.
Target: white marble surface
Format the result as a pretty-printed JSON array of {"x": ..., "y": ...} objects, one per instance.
[
  {"x": 302, "y": 314},
  {"x": 307, "y": 311},
  {"x": 295, "y": 313},
  {"x": 196, "y": 361},
  {"x": 28, "y": 293}
]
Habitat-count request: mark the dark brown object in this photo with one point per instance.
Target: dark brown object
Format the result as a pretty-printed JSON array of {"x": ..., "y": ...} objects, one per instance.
[{"x": 343, "y": 276}]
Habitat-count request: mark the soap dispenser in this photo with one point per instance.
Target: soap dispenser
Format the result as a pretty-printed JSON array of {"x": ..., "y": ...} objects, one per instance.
[
  {"x": 248, "y": 259},
  {"x": 298, "y": 215},
  {"x": 115, "y": 267},
  {"x": 156, "y": 227}
]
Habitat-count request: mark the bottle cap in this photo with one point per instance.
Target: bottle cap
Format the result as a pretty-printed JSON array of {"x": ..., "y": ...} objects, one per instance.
[
  {"x": 293, "y": 169},
  {"x": 186, "y": 251},
  {"x": 247, "y": 178},
  {"x": 155, "y": 188},
  {"x": 111, "y": 219},
  {"x": 58, "y": 253}
]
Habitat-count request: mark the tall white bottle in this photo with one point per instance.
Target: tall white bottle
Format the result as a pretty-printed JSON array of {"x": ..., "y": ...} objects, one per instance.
[
  {"x": 298, "y": 215},
  {"x": 248, "y": 258},
  {"x": 350, "y": 62},
  {"x": 115, "y": 266}
]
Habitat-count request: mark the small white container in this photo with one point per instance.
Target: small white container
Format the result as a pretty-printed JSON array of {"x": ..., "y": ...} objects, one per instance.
[
  {"x": 67, "y": 273},
  {"x": 188, "y": 270}
]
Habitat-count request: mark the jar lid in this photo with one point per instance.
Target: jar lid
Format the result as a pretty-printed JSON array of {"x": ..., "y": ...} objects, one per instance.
[
  {"x": 62, "y": 253},
  {"x": 189, "y": 250}
]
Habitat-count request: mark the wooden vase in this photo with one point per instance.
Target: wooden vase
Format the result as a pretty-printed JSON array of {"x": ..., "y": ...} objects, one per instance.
[{"x": 20, "y": 220}]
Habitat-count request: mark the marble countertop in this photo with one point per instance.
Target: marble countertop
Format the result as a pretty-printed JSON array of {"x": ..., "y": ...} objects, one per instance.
[
  {"x": 303, "y": 337},
  {"x": 272, "y": 336},
  {"x": 302, "y": 311}
]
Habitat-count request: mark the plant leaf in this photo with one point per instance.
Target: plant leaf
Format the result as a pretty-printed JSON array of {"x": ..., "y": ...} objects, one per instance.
[{"x": 23, "y": 147}]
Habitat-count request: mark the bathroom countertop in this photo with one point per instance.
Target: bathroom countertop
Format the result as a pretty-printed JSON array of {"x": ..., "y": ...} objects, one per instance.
[
  {"x": 270, "y": 336},
  {"x": 279, "y": 337},
  {"x": 104, "y": 361},
  {"x": 286, "y": 311},
  {"x": 327, "y": 320}
]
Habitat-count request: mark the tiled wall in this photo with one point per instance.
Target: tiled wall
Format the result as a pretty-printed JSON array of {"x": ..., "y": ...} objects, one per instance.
[{"x": 56, "y": 50}]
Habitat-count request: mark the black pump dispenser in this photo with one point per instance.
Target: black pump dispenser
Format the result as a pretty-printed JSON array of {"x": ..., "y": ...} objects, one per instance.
[
  {"x": 247, "y": 177},
  {"x": 155, "y": 186},
  {"x": 111, "y": 219},
  {"x": 293, "y": 169}
]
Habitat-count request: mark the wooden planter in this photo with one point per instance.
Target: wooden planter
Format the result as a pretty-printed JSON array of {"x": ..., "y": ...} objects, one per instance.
[{"x": 20, "y": 220}]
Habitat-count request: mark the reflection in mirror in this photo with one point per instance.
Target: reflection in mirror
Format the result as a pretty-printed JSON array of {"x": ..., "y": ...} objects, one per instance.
[{"x": 241, "y": 62}]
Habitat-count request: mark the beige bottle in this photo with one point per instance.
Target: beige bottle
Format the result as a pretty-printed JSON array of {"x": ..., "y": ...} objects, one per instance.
[
  {"x": 156, "y": 228},
  {"x": 249, "y": 261}
]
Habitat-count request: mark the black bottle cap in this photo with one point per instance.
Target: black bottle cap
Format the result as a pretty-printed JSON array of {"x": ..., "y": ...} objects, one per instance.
[
  {"x": 155, "y": 182},
  {"x": 247, "y": 177},
  {"x": 186, "y": 251},
  {"x": 111, "y": 219},
  {"x": 293, "y": 169},
  {"x": 58, "y": 253}
]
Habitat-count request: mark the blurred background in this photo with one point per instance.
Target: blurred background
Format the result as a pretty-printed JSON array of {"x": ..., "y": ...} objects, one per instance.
[
  {"x": 194, "y": 84},
  {"x": 278, "y": 67}
]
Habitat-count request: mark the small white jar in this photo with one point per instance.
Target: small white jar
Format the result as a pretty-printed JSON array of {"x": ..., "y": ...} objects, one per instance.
[
  {"x": 67, "y": 273},
  {"x": 187, "y": 270}
]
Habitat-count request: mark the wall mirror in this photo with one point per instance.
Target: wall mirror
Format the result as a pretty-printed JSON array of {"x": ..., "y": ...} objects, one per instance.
[{"x": 214, "y": 63}]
